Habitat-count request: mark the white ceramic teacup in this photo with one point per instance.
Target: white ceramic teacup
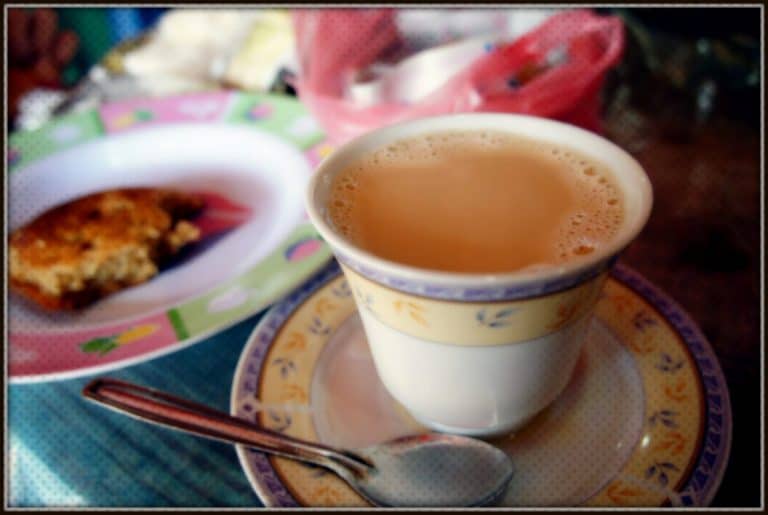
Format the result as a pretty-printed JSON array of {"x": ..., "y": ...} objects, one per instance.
[{"x": 478, "y": 354}]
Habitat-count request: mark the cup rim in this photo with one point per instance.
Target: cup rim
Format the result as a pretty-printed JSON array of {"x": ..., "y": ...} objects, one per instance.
[{"x": 451, "y": 122}]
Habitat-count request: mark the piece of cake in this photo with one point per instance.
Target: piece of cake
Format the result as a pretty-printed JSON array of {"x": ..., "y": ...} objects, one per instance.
[{"x": 82, "y": 251}]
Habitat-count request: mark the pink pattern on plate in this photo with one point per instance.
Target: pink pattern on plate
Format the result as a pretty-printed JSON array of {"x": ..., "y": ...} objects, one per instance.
[
  {"x": 260, "y": 111},
  {"x": 47, "y": 353},
  {"x": 220, "y": 214},
  {"x": 14, "y": 156},
  {"x": 303, "y": 249},
  {"x": 198, "y": 107}
]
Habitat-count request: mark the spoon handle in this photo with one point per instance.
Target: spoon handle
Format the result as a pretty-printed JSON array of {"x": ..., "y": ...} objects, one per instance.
[{"x": 167, "y": 410}]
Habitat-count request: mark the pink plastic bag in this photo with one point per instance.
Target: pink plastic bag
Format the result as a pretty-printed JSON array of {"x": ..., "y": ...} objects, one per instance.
[{"x": 554, "y": 71}]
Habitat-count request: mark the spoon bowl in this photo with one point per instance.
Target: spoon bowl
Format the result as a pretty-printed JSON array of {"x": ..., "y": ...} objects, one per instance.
[
  {"x": 435, "y": 470},
  {"x": 425, "y": 470}
]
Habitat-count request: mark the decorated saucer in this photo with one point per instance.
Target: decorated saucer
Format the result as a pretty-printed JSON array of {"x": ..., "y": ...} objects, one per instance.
[{"x": 645, "y": 420}]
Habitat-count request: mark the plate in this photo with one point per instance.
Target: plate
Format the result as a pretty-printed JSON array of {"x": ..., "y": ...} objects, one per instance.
[
  {"x": 251, "y": 154},
  {"x": 645, "y": 420}
]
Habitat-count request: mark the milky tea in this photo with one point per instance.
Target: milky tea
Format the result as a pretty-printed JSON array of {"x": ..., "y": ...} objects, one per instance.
[{"x": 476, "y": 202}]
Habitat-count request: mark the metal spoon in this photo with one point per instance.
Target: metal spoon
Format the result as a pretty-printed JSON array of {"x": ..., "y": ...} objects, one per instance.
[{"x": 414, "y": 471}]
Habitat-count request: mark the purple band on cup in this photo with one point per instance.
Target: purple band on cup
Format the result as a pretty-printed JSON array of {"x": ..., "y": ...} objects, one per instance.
[{"x": 499, "y": 292}]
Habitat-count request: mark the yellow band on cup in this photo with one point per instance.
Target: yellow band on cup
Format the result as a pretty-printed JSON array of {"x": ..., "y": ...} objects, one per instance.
[{"x": 474, "y": 323}]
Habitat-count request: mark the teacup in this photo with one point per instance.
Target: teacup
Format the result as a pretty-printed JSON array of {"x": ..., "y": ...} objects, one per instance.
[{"x": 478, "y": 354}]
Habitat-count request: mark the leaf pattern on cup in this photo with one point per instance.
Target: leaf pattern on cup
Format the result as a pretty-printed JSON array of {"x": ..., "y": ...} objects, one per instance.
[
  {"x": 565, "y": 313},
  {"x": 415, "y": 311},
  {"x": 500, "y": 318},
  {"x": 365, "y": 299}
]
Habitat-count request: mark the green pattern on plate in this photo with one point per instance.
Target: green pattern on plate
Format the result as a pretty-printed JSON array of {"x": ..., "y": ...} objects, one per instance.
[
  {"x": 283, "y": 116},
  {"x": 300, "y": 255},
  {"x": 64, "y": 132},
  {"x": 178, "y": 325}
]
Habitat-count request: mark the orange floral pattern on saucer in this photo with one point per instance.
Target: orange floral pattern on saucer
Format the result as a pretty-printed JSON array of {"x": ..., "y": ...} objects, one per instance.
[{"x": 659, "y": 463}]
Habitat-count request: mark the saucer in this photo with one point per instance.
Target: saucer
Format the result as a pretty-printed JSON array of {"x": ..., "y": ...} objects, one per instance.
[{"x": 644, "y": 421}]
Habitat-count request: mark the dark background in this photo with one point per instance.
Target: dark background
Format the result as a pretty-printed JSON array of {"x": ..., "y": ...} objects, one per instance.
[{"x": 688, "y": 106}]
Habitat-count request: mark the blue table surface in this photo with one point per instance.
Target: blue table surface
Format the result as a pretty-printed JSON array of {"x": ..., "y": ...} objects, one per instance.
[{"x": 66, "y": 451}]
